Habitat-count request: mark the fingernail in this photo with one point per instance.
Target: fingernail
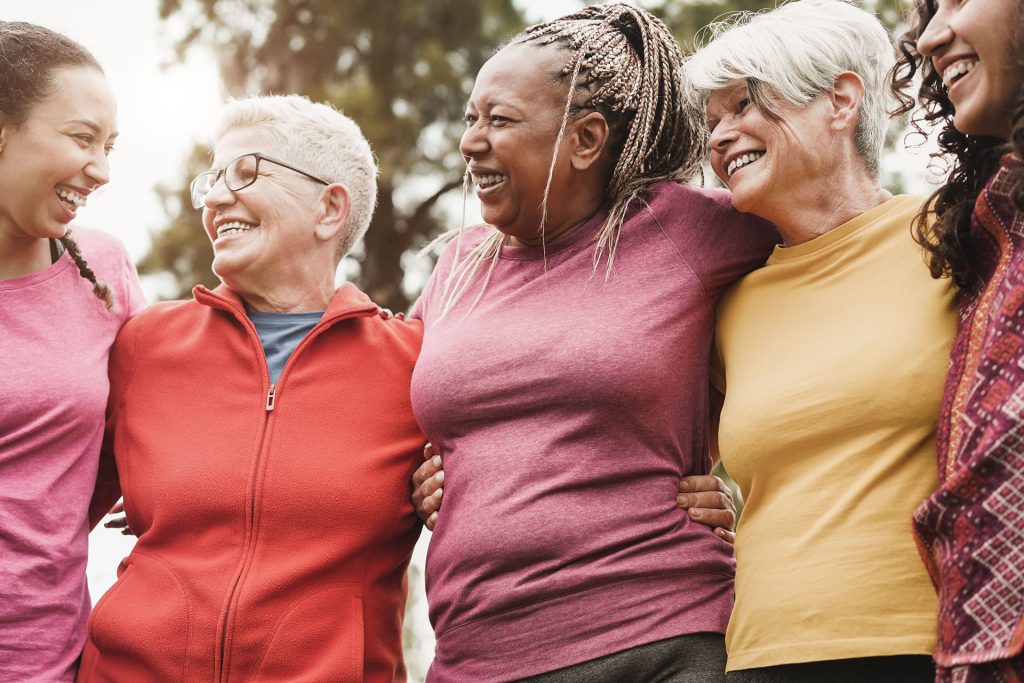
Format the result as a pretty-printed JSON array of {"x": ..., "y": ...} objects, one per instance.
[
  {"x": 439, "y": 477},
  {"x": 684, "y": 486},
  {"x": 438, "y": 493},
  {"x": 695, "y": 513},
  {"x": 683, "y": 500},
  {"x": 436, "y": 461}
]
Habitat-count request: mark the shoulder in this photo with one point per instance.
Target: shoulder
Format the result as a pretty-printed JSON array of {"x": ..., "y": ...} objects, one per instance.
[
  {"x": 101, "y": 250},
  {"x": 461, "y": 242}
]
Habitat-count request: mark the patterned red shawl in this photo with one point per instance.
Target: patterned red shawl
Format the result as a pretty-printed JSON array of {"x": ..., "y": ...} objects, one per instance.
[{"x": 971, "y": 531}]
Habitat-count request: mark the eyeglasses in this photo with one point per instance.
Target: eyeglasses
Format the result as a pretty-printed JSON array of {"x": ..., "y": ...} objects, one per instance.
[{"x": 240, "y": 173}]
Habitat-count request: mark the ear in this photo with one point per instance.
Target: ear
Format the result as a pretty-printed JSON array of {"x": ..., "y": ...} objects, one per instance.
[
  {"x": 332, "y": 212},
  {"x": 589, "y": 138},
  {"x": 845, "y": 98}
]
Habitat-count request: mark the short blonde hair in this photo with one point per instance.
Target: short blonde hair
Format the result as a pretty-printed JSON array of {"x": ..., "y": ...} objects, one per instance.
[
  {"x": 794, "y": 53},
  {"x": 319, "y": 139}
]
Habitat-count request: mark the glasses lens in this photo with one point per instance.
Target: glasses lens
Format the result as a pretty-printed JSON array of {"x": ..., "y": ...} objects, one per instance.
[
  {"x": 241, "y": 172},
  {"x": 201, "y": 187}
]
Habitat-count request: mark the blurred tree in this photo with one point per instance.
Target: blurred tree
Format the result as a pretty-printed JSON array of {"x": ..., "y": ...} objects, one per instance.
[{"x": 401, "y": 68}]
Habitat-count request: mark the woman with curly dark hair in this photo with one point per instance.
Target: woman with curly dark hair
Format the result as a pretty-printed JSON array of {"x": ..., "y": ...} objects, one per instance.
[{"x": 971, "y": 530}]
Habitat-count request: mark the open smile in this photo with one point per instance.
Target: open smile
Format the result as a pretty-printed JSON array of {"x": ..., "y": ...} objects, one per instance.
[{"x": 743, "y": 160}]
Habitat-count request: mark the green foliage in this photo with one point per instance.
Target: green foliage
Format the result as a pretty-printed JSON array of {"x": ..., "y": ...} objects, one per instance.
[{"x": 401, "y": 68}]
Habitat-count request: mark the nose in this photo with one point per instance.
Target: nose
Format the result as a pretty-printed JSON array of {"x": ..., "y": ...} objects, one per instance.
[
  {"x": 721, "y": 137},
  {"x": 474, "y": 141},
  {"x": 98, "y": 169},
  {"x": 219, "y": 194},
  {"x": 937, "y": 34}
]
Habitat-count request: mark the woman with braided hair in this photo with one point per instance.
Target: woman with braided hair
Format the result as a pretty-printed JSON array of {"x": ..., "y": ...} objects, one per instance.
[
  {"x": 62, "y": 301},
  {"x": 969, "y": 531},
  {"x": 563, "y": 376}
]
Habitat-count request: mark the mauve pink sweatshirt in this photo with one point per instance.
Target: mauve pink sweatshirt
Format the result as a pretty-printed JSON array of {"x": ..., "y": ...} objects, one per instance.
[
  {"x": 54, "y": 339},
  {"x": 566, "y": 407}
]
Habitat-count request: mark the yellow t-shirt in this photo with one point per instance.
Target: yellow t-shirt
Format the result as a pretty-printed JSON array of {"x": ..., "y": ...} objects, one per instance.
[{"x": 834, "y": 356}]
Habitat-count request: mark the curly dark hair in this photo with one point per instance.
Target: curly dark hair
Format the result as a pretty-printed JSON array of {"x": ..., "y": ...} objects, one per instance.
[
  {"x": 29, "y": 57},
  {"x": 943, "y": 227}
]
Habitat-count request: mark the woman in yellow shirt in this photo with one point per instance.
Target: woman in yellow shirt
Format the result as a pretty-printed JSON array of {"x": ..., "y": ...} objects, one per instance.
[{"x": 831, "y": 357}]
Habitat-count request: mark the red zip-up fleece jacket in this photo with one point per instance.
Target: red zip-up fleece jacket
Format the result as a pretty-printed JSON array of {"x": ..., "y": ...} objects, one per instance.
[{"x": 274, "y": 522}]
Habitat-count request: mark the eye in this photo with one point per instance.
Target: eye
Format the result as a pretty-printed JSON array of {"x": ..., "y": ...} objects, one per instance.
[
  {"x": 742, "y": 105},
  {"x": 84, "y": 139},
  {"x": 108, "y": 149},
  {"x": 470, "y": 119},
  {"x": 498, "y": 121}
]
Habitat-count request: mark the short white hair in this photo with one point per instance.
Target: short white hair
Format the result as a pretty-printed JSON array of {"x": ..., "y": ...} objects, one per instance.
[
  {"x": 320, "y": 140},
  {"x": 793, "y": 54}
]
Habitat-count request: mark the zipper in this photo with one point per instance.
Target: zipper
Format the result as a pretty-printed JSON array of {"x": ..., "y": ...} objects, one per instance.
[{"x": 249, "y": 540}]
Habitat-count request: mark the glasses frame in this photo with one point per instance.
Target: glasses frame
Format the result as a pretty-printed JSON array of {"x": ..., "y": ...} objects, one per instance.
[{"x": 199, "y": 204}]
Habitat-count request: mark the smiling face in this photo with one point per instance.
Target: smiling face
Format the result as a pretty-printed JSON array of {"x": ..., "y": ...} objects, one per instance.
[
  {"x": 263, "y": 235},
  {"x": 512, "y": 120},
  {"x": 973, "y": 47},
  {"x": 53, "y": 160},
  {"x": 768, "y": 164}
]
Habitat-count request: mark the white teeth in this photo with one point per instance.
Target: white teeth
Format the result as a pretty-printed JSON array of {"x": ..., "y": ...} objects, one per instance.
[
  {"x": 957, "y": 70},
  {"x": 742, "y": 160},
  {"x": 233, "y": 228},
  {"x": 485, "y": 181},
  {"x": 71, "y": 198}
]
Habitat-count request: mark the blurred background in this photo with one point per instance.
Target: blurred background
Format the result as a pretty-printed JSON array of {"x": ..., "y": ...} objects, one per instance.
[{"x": 401, "y": 68}]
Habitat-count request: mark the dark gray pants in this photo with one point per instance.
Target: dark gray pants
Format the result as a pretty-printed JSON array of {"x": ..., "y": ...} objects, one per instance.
[
  {"x": 694, "y": 658},
  {"x": 896, "y": 669}
]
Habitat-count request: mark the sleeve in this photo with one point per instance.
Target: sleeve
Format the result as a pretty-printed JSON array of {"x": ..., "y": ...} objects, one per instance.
[
  {"x": 108, "y": 483},
  {"x": 132, "y": 299},
  {"x": 427, "y": 305}
]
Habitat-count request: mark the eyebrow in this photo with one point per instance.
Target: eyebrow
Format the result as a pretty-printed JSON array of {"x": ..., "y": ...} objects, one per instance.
[
  {"x": 491, "y": 104},
  {"x": 94, "y": 127}
]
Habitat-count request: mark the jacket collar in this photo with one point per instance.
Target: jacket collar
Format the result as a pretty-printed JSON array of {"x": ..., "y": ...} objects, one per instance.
[{"x": 348, "y": 302}]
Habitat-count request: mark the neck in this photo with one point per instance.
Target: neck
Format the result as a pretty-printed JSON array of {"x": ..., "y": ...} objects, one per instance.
[
  {"x": 21, "y": 254},
  {"x": 562, "y": 226},
  {"x": 823, "y": 209},
  {"x": 287, "y": 295}
]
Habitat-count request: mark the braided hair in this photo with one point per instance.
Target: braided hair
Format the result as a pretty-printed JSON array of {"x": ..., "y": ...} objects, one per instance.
[
  {"x": 29, "y": 57},
  {"x": 625, "y": 64},
  {"x": 943, "y": 227}
]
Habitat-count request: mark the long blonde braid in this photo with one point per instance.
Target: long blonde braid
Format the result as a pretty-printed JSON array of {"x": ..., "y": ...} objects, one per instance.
[{"x": 625, "y": 64}]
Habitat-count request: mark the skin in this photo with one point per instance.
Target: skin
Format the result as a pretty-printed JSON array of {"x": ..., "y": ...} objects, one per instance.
[
  {"x": 978, "y": 32},
  {"x": 811, "y": 179},
  {"x": 512, "y": 122},
  {"x": 63, "y": 143},
  {"x": 286, "y": 262}
]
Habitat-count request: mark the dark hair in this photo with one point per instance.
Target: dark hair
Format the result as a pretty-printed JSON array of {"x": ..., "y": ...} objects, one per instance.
[
  {"x": 29, "y": 57},
  {"x": 943, "y": 226}
]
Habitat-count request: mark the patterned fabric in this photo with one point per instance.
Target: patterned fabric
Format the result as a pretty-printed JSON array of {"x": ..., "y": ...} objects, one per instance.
[{"x": 971, "y": 531}]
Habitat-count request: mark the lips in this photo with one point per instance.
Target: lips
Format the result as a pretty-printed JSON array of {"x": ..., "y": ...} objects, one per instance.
[
  {"x": 742, "y": 160},
  {"x": 954, "y": 72}
]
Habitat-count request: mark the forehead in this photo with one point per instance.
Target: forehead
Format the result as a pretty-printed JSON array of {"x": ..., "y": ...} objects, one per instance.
[
  {"x": 238, "y": 141},
  {"x": 80, "y": 94},
  {"x": 521, "y": 74}
]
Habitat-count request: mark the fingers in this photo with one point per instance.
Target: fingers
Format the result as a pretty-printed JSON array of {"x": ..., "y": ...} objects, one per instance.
[
  {"x": 703, "y": 482},
  {"x": 720, "y": 519},
  {"x": 427, "y": 487},
  {"x": 119, "y": 523},
  {"x": 727, "y": 536},
  {"x": 712, "y": 500}
]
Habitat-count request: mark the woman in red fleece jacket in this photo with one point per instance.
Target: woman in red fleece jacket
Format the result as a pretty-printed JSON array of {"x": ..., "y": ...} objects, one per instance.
[{"x": 262, "y": 433}]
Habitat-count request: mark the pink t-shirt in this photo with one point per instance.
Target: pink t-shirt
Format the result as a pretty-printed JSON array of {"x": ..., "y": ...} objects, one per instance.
[
  {"x": 566, "y": 407},
  {"x": 54, "y": 339}
]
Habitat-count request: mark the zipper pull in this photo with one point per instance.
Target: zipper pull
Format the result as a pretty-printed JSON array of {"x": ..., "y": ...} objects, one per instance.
[{"x": 271, "y": 397}]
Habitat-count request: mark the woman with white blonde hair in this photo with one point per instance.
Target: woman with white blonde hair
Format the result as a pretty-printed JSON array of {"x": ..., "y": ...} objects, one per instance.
[
  {"x": 832, "y": 356},
  {"x": 273, "y": 388}
]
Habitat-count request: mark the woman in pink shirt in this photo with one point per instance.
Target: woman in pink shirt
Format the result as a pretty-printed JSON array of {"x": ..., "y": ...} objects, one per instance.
[{"x": 63, "y": 297}]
